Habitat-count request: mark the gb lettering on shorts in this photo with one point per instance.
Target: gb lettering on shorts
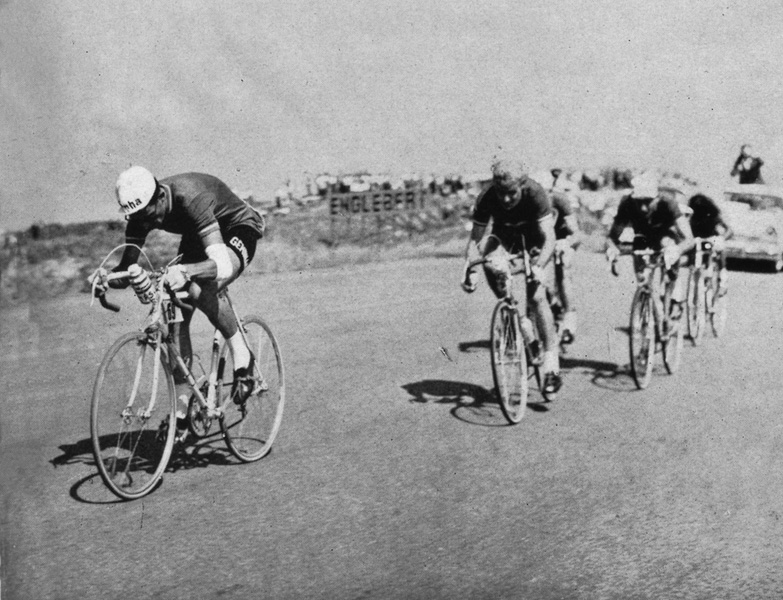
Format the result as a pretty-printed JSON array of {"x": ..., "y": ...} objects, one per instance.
[{"x": 240, "y": 246}]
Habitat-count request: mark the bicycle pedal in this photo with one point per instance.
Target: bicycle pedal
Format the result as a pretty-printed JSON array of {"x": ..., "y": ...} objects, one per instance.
[{"x": 260, "y": 385}]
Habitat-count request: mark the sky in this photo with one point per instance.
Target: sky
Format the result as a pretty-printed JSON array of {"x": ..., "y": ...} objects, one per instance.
[{"x": 257, "y": 92}]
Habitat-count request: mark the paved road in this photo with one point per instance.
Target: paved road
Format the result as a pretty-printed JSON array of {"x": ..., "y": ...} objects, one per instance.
[{"x": 395, "y": 475}]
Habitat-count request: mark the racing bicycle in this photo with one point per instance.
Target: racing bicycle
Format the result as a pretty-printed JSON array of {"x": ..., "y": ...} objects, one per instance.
[
  {"x": 655, "y": 320},
  {"x": 134, "y": 420},
  {"x": 705, "y": 300},
  {"x": 515, "y": 344}
]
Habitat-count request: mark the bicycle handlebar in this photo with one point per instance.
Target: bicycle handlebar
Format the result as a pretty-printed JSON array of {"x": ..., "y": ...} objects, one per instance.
[
  {"x": 482, "y": 261},
  {"x": 174, "y": 296}
]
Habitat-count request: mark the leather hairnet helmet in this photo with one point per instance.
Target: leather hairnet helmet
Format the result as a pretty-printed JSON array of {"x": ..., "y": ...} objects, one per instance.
[{"x": 135, "y": 189}]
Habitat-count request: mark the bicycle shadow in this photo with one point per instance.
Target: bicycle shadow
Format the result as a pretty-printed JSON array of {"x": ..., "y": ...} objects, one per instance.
[
  {"x": 198, "y": 454},
  {"x": 474, "y": 346},
  {"x": 603, "y": 374},
  {"x": 472, "y": 404}
]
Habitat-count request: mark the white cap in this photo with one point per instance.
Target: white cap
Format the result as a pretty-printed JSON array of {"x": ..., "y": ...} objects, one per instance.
[
  {"x": 644, "y": 186},
  {"x": 135, "y": 188}
]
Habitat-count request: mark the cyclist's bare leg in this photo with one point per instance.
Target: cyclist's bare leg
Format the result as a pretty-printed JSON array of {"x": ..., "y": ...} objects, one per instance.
[
  {"x": 206, "y": 297},
  {"x": 546, "y": 327},
  {"x": 564, "y": 286}
]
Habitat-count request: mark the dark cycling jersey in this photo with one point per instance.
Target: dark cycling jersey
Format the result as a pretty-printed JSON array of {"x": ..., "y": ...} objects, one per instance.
[
  {"x": 510, "y": 224},
  {"x": 199, "y": 204},
  {"x": 707, "y": 216},
  {"x": 562, "y": 207},
  {"x": 652, "y": 219}
]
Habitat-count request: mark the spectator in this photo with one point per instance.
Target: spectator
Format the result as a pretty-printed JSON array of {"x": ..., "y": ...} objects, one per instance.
[{"x": 748, "y": 166}]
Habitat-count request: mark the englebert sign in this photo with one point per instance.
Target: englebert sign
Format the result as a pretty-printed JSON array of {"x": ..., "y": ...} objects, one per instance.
[{"x": 375, "y": 202}]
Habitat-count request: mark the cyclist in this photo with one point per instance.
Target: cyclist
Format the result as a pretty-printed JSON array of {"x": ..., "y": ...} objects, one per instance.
[
  {"x": 659, "y": 223},
  {"x": 567, "y": 241},
  {"x": 219, "y": 235},
  {"x": 520, "y": 211},
  {"x": 707, "y": 221}
]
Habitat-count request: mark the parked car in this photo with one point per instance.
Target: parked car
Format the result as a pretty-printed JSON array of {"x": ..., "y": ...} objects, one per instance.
[{"x": 755, "y": 214}]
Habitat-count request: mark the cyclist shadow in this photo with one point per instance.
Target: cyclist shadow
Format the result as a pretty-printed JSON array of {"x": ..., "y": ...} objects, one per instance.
[
  {"x": 200, "y": 453},
  {"x": 603, "y": 374},
  {"x": 472, "y": 403}
]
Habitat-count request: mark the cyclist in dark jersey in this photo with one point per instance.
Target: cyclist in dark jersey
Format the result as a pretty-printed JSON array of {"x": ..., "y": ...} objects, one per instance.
[
  {"x": 219, "y": 235},
  {"x": 707, "y": 221},
  {"x": 567, "y": 241},
  {"x": 659, "y": 223},
  {"x": 520, "y": 212}
]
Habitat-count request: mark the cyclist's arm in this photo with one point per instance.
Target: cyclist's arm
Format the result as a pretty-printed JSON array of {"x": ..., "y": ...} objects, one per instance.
[
  {"x": 683, "y": 229},
  {"x": 574, "y": 237},
  {"x": 546, "y": 227},
  {"x": 130, "y": 254},
  {"x": 723, "y": 230},
  {"x": 472, "y": 251}
]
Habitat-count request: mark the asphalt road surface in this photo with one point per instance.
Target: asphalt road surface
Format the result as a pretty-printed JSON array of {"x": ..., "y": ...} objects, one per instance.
[{"x": 395, "y": 474}]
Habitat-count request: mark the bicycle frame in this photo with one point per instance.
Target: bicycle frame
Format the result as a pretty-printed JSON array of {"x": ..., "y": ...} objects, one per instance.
[
  {"x": 653, "y": 275},
  {"x": 159, "y": 337}
]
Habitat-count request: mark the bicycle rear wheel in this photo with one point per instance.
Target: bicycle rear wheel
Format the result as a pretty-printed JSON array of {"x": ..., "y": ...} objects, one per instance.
[
  {"x": 132, "y": 416},
  {"x": 250, "y": 428},
  {"x": 509, "y": 365},
  {"x": 695, "y": 307},
  {"x": 641, "y": 337}
]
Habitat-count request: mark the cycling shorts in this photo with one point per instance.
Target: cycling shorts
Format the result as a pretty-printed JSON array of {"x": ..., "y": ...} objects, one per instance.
[{"x": 241, "y": 240}]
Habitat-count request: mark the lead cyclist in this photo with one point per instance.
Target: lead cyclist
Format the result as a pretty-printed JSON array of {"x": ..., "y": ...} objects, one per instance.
[{"x": 219, "y": 236}]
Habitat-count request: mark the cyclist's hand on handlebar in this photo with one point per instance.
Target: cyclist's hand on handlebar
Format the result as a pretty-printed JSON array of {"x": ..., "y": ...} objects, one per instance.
[
  {"x": 671, "y": 254},
  {"x": 176, "y": 277},
  {"x": 565, "y": 251},
  {"x": 469, "y": 278},
  {"x": 612, "y": 254},
  {"x": 99, "y": 281},
  {"x": 537, "y": 273}
]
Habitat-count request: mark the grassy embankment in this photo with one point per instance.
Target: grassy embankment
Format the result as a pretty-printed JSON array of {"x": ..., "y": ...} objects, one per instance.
[{"x": 48, "y": 261}]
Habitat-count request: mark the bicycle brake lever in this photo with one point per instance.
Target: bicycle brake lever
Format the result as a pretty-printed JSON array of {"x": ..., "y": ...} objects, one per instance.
[{"x": 615, "y": 272}]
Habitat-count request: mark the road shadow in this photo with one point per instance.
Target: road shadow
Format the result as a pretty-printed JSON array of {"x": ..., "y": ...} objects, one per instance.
[
  {"x": 604, "y": 374},
  {"x": 474, "y": 346},
  {"x": 471, "y": 403},
  {"x": 190, "y": 454}
]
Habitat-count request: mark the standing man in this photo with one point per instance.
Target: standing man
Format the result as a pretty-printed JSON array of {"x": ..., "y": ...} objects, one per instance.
[{"x": 748, "y": 166}]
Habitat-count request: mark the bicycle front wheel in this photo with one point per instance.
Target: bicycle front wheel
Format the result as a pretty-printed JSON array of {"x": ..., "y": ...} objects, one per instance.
[
  {"x": 672, "y": 340},
  {"x": 509, "y": 365},
  {"x": 250, "y": 428},
  {"x": 132, "y": 417},
  {"x": 641, "y": 337},
  {"x": 695, "y": 307}
]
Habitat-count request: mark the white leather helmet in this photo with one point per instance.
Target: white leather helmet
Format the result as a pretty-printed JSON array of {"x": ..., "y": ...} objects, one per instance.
[
  {"x": 645, "y": 186},
  {"x": 135, "y": 188}
]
